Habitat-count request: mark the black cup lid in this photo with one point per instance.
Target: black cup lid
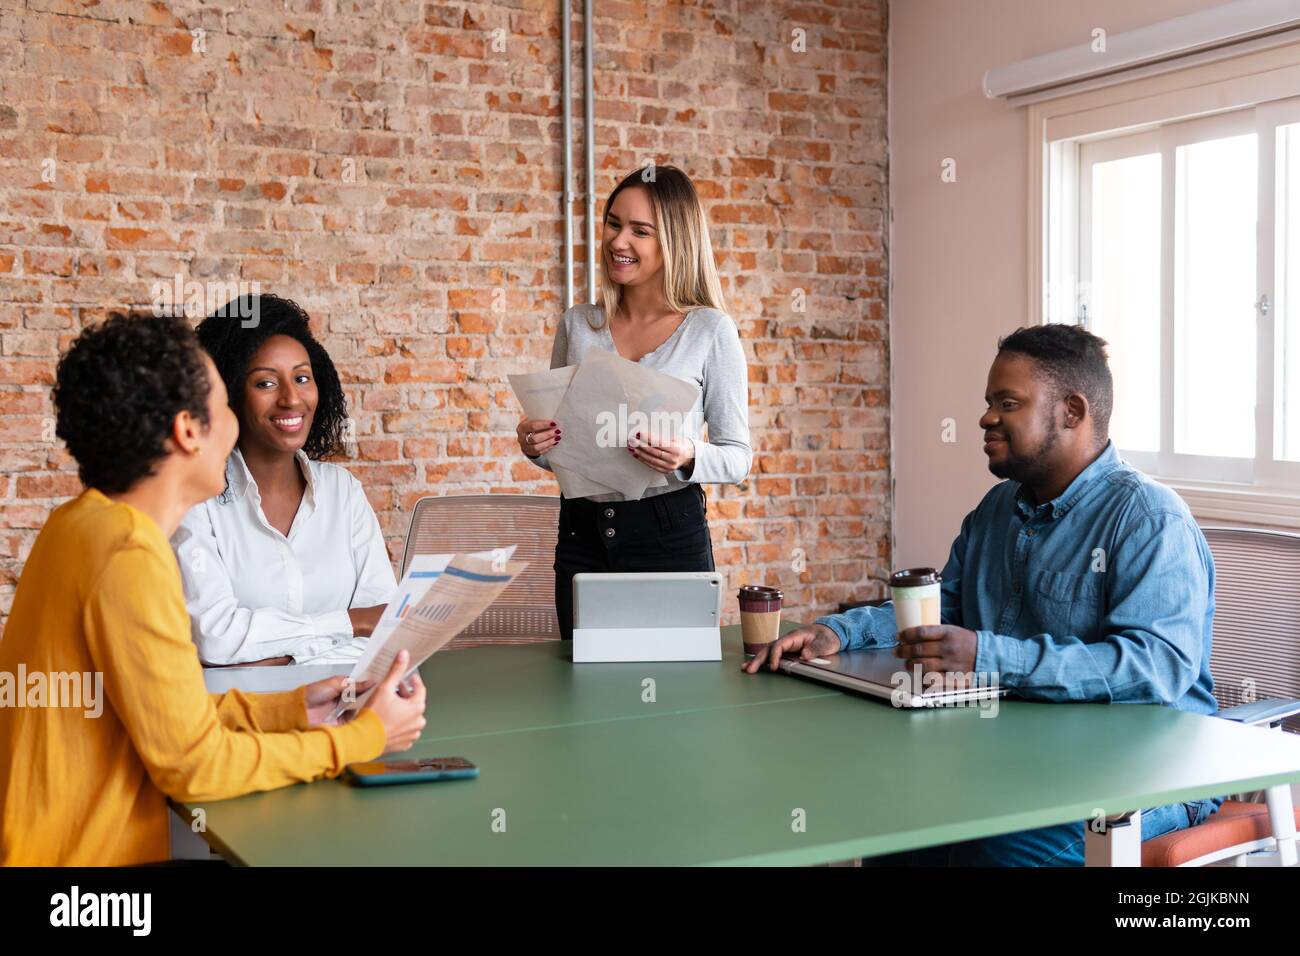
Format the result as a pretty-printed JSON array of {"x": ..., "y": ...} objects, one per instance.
[
  {"x": 914, "y": 578},
  {"x": 760, "y": 592}
]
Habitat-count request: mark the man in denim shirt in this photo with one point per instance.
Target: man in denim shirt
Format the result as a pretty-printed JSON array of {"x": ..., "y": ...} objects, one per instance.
[{"x": 1076, "y": 579}]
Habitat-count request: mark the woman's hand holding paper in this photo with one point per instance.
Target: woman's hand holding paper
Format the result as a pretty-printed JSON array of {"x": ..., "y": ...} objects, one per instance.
[
  {"x": 537, "y": 436},
  {"x": 668, "y": 455}
]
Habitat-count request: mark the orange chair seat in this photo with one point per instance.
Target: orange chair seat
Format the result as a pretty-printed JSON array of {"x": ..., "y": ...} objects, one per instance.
[{"x": 1233, "y": 824}]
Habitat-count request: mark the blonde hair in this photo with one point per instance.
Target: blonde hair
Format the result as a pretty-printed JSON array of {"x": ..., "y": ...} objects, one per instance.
[{"x": 690, "y": 274}]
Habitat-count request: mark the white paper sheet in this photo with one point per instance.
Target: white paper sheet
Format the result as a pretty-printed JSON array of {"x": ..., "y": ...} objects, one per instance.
[
  {"x": 440, "y": 595},
  {"x": 420, "y": 574},
  {"x": 605, "y": 395},
  {"x": 539, "y": 395}
]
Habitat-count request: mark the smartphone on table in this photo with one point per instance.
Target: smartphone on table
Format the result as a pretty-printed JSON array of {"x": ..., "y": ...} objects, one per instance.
[{"x": 378, "y": 773}]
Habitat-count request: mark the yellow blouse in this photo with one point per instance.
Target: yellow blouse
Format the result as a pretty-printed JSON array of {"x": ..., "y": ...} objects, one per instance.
[{"x": 100, "y": 597}]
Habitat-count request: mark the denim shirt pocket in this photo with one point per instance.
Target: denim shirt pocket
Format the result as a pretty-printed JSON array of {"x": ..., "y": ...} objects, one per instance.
[{"x": 1069, "y": 604}]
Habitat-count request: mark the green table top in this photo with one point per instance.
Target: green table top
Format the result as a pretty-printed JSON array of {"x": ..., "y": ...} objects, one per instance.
[{"x": 722, "y": 765}]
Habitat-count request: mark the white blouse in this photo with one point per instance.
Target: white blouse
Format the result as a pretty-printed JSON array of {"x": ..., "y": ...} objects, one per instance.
[{"x": 253, "y": 593}]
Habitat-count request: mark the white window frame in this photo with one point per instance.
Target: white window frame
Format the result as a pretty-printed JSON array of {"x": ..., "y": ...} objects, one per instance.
[
  {"x": 1202, "y": 100},
  {"x": 1270, "y": 116}
]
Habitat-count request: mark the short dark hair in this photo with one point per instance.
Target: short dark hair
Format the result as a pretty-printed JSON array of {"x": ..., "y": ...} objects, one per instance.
[
  {"x": 1074, "y": 360},
  {"x": 231, "y": 345},
  {"x": 119, "y": 388}
]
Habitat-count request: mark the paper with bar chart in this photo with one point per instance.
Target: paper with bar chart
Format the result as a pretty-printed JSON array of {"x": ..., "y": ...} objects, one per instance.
[{"x": 440, "y": 595}]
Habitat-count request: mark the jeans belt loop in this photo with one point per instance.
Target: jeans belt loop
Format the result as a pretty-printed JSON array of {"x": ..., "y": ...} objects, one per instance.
[{"x": 661, "y": 509}]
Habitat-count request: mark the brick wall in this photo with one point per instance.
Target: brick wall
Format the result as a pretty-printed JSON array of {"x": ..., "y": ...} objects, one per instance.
[{"x": 397, "y": 168}]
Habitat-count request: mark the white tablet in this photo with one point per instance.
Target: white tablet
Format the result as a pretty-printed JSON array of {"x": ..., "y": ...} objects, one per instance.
[{"x": 651, "y": 616}]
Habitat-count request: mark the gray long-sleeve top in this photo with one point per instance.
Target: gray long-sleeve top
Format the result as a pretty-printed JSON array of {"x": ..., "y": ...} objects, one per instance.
[{"x": 705, "y": 349}]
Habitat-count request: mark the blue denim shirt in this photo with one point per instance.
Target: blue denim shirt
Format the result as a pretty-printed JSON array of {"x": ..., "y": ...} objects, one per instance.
[{"x": 1104, "y": 594}]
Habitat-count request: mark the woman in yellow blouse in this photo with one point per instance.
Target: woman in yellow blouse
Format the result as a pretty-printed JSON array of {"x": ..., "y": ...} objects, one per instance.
[{"x": 107, "y": 715}]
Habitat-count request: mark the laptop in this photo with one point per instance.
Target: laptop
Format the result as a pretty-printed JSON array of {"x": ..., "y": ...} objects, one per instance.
[
  {"x": 878, "y": 672},
  {"x": 648, "y": 616}
]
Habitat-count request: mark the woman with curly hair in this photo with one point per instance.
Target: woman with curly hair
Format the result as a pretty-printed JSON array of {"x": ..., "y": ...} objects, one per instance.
[
  {"x": 99, "y": 614},
  {"x": 288, "y": 562}
]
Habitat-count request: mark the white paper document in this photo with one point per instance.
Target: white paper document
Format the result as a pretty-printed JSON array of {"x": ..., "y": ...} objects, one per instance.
[
  {"x": 539, "y": 394},
  {"x": 606, "y": 398},
  {"x": 440, "y": 595}
]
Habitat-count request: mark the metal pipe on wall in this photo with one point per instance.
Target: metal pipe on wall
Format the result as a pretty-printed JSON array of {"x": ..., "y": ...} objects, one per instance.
[
  {"x": 589, "y": 134},
  {"x": 566, "y": 97}
]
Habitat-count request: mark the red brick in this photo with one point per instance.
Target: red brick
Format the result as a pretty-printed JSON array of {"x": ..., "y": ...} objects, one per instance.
[
  {"x": 46, "y": 263},
  {"x": 131, "y": 238},
  {"x": 49, "y": 485}
]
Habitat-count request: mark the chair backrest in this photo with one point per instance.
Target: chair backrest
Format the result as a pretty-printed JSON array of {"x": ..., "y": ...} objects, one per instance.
[
  {"x": 525, "y": 611},
  {"x": 1256, "y": 652}
]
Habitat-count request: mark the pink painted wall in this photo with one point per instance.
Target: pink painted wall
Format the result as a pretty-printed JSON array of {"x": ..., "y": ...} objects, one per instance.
[{"x": 958, "y": 252}]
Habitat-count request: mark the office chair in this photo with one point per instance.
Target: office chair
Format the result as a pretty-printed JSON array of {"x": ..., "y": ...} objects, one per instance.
[
  {"x": 525, "y": 611},
  {"x": 1256, "y": 668}
]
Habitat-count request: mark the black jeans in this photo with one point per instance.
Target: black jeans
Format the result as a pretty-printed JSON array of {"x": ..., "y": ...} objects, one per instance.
[{"x": 666, "y": 532}]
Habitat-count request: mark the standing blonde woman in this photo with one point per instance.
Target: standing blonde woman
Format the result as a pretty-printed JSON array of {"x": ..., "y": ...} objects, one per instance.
[{"x": 660, "y": 306}]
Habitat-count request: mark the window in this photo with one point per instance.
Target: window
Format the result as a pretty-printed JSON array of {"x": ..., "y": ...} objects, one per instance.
[{"x": 1179, "y": 243}]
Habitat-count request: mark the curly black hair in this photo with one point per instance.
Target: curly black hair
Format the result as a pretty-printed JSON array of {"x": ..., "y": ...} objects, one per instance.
[
  {"x": 235, "y": 331},
  {"x": 1074, "y": 361},
  {"x": 119, "y": 388}
]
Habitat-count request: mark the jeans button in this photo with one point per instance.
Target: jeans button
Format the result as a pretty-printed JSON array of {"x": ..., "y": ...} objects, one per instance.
[
  {"x": 609, "y": 532},
  {"x": 609, "y": 512}
]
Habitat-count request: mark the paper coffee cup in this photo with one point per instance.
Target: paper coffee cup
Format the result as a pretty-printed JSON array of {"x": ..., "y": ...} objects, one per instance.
[
  {"x": 760, "y": 616},
  {"x": 915, "y": 593}
]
